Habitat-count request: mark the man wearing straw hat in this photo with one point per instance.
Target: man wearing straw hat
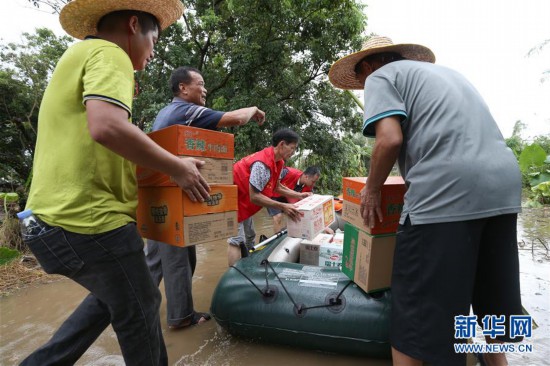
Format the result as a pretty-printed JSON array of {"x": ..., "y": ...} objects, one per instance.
[
  {"x": 456, "y": 243},
  {"x": 84, "y": 185}
]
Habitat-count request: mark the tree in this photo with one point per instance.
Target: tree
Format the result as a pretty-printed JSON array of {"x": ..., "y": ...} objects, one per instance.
[
  {"x": 24, "y": 74},
  {"x": 273, "y": 54},
  {"x": 53, "y": 5},
  {"x": 515, "y": 142},
  {"x": 538, "y": 49}
]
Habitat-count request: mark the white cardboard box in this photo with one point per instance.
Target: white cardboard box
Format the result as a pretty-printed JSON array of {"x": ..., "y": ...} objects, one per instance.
[
  {"x": 338, "y": 238},
  {"x": 309, "y": 249},
  {"x": 317, "y": 213},
  {"x": 323, "y": 250},
  {"x": 330, "y": 254}
]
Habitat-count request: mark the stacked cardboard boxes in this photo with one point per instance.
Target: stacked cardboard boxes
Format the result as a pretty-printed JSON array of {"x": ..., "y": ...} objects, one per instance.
[
  {"x": 316, "y": 247},
  {"x": 321, "y": 251},
  {"x": 213, "y": 147},
  {"x": 165, "y": 213},
  {"x": 368, "y": 252}
]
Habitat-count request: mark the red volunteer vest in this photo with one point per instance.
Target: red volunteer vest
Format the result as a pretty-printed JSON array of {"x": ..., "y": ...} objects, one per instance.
[
  {"x": 290, "y": 181},
  {"x": 241, "y": 177}
]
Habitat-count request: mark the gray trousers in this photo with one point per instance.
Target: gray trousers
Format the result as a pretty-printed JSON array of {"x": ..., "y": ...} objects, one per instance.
[
  {"x": 246, "y": 234},
  {"x": 177, "y": 265}
]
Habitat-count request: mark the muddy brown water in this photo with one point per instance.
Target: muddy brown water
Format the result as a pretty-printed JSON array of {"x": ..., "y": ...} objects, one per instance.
[{"x": 29, "y": 317}]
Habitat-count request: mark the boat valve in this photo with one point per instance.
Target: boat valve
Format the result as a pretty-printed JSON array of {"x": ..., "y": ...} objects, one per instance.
[
  {"x": 270, "y": 294},
  {"x": 300, "y": 310},
  {"x": 335, "y": 302}
]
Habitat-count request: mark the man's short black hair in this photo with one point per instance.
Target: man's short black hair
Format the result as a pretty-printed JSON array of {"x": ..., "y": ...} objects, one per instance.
[
  {"x": 181, "y": 75},
  {"x": 312, "y": 171},
  {"x": 147, "y": 21},
  {"x": 286, "y": 135}
]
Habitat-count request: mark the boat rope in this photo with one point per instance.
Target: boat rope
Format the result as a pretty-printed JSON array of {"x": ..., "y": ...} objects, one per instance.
[
  {"x": 249, "y": 280},
  {"x": 267, "y": 263},
  {"x": 299, "y": 308}
]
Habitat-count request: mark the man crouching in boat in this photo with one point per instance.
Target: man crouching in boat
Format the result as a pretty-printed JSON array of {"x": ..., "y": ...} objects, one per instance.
[{"x": 257, "y": 178}]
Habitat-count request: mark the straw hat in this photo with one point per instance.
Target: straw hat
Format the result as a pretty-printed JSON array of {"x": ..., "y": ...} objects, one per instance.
[
  {"x": 79, "y": 18},
  {"x": 342, "y": 74}
]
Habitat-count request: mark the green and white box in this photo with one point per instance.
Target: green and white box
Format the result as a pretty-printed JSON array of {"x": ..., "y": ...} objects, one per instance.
[{"x": 368, "y": 259}]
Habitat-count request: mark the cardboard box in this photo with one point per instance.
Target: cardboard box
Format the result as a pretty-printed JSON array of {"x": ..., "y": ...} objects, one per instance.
[
  {"x": 338, "y": 238},
  {"x": 393, "y": 193},
  {"x": 317, "y": 213},
  {"x": 215, "y": 171},
  {"x": 321, "y": 251},
  {"x": 331, "y": 254},
  {"x": 368, "y": 259},
  {"x": 191, "y": 141},
  {"x": 309, "y": 249},
  {"x": 166, "y": 214}
]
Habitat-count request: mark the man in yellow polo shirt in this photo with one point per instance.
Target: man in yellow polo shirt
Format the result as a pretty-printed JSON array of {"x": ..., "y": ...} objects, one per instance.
[{"x": 84, "y": 186}]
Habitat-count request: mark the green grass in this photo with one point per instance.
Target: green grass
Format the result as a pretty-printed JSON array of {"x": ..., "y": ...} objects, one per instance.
[{"x": 7, "y": 255}]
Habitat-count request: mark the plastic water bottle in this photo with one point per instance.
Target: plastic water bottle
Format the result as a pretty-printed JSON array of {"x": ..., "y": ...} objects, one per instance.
[{"x": 31, "y": 226}]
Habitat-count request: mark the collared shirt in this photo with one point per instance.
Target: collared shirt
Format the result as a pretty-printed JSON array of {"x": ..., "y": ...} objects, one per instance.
[
  {"x": 181, "y": 112},
  {"x": 454, "y": 159},
  {"x": 78, "y": 184}
]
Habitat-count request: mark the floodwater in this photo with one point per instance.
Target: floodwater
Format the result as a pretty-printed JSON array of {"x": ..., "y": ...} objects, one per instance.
[{"x": 30, "y": 316}]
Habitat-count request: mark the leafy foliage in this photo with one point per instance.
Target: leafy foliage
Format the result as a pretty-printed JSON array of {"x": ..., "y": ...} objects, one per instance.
[
  {"x": 515, "y": 142},
  {"x": 349, "y": 157},
  {"x": 24, "y": 74},
  {"x": 542, "y": 192},
  {"x": 7, "y": 255},
  {"x": 53, "y": 5},
  {"x": 538, "y": 49},
  {"x": 274, "y": 55},
  {"x": 531, "y": 156},
  {"x": 534, "y": 162}
]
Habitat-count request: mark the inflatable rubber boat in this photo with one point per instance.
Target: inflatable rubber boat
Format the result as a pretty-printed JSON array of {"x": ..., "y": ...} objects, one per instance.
[{"x": 269, "y": 297}]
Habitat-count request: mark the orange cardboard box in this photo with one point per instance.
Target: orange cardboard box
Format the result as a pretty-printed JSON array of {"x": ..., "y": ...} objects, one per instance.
[
  {"x": 191, "y": 141},
  {"x": 215, "y": 171},
  {"x": 393, "y": 193},
  {"x": 166, "y": 214}
]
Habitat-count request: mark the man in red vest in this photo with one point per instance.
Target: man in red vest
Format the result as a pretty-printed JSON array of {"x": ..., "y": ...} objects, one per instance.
[
  {"x": 297, "y": 181},
  {"x": 257, "y": 178}
]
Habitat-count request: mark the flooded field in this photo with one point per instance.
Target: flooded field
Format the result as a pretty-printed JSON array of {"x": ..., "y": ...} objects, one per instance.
[
  {"x": 28, "y": 317},
  {"x": 534, "y": 256}
]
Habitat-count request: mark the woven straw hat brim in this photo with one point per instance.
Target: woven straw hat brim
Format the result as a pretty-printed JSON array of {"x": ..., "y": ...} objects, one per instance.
[
  {"x": 79, "y": 18},
  {"x": 342, "y": 73}
]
